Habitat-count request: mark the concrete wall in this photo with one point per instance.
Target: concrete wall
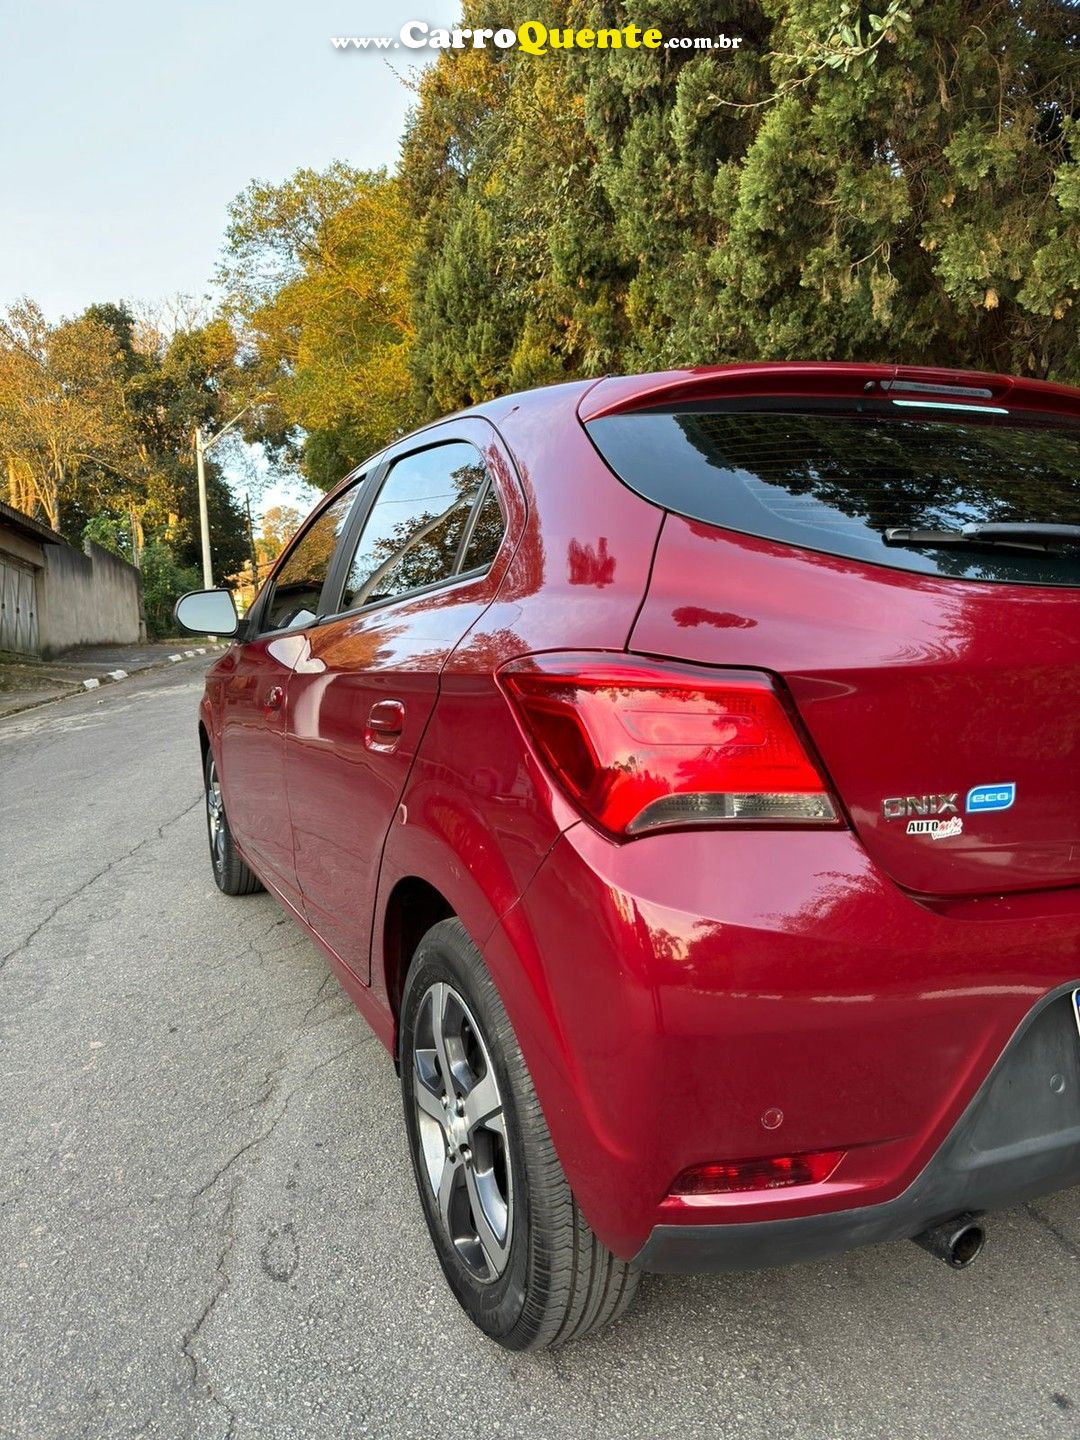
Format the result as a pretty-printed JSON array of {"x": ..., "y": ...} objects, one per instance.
[{"x": 87, "y": 599}]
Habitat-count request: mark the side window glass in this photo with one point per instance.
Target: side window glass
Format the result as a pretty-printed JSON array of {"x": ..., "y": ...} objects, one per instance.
[
  {"x": 412, "y": 536},
  {"x": 488, "y": 530},
  {"x": 294, "y": 601}
]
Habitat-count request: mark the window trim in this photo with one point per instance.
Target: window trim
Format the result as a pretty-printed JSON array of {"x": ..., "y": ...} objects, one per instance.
[
  {"x": 338, "y": 573},
  {"x": 487, "y": 488},
  {"x": 335, "y": 576},
  {"x": 437, "y": 586}
]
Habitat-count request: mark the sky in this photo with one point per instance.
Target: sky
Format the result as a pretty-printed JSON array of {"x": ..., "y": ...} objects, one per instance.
[{"x": 127, "y": 128}]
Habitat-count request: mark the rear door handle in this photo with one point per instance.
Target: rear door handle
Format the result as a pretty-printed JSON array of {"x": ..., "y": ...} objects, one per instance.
[{"x": 385, "y": 723}]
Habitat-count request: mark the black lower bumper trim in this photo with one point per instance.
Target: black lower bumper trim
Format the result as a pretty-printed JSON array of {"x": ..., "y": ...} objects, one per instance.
[{"x": 1019, "y": 1137}]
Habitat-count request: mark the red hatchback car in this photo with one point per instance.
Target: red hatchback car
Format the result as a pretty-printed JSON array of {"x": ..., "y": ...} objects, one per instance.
[{"x": 681, "y": 772}]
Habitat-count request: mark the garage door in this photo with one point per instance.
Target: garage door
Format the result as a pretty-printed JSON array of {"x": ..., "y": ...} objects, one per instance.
[{"x": 18, "y": 608}]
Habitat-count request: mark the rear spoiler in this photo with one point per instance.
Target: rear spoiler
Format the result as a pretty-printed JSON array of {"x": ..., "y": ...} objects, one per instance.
[{"x": 818, "y": 380}]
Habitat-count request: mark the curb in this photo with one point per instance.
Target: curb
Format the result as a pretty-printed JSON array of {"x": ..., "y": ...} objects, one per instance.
[{"x": 110, "y": 677}]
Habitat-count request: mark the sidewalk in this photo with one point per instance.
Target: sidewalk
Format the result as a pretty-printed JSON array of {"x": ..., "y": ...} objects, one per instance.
[{"x": 25, "y": 683}]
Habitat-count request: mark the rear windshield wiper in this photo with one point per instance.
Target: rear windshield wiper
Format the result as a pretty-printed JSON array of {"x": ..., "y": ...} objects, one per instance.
[{"x": 1016, "y": 534}]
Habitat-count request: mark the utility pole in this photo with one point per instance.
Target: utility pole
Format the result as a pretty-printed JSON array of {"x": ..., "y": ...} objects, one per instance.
[
  {"x": 204, "y": 515},
  {"x": 251, "y": 548},
  {"x": 201, "y": 447}
]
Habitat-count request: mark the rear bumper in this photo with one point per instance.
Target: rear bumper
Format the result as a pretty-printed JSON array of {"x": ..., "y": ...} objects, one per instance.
[
  {"x": 1019, "y": 1138},
  {"x": 702, "y": 997}
]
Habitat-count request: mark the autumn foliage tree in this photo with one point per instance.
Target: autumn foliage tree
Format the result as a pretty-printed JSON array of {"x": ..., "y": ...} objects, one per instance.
[
  {"x": 97, "y": 418},
  {"x": 279, "y": 524},
  {"x": 315, "y": 275},
  {"x": 62, "y": 411}
]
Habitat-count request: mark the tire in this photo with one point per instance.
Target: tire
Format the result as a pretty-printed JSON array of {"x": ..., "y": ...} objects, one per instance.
[
  {"x": 539, "y": 1276},
  {"x": 232, "y": 875}
]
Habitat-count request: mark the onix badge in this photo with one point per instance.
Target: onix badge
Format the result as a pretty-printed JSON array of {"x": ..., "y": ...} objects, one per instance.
[{"x": 905, "y": 807}]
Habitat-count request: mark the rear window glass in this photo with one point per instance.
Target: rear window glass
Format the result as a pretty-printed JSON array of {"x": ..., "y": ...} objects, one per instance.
[{"x": 837, "y": 482}]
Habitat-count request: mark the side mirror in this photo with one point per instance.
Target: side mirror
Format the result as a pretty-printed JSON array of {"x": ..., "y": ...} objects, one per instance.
[{"x": 207, "y": 612}]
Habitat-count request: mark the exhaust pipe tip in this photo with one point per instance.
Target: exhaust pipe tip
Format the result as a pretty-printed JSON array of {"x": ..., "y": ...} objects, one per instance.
[{"x": 959, "y": 1241}]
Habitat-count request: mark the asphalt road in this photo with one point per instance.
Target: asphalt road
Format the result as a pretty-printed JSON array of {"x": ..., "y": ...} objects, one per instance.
[{"x": 207, "y": 1224}]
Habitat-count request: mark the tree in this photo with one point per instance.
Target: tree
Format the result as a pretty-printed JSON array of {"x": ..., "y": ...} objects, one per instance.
[
  {"x": 874, "y": 181},
  {"x": 171, "y": 383},
  {"x": 912, "y": 192},
  {"x": 64, "y": 430},
  {"x": 314, "y": 271},
  {"x": 96, "y": 428},
  {"x": 279, "y": 524},
  {"x": 516, "y": 280},
  {"x": 164, "y": 580}
]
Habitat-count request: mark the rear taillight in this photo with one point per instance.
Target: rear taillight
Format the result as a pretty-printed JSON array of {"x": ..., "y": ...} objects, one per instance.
[
  {"x": 726, "y": 1177},
  {"x": 639, "y": 745}
]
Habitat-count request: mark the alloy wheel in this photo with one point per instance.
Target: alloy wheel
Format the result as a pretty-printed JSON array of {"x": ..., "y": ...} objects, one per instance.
[
  {"x": 215, "y": 817},
  {"x": 462, "y": 1127}
]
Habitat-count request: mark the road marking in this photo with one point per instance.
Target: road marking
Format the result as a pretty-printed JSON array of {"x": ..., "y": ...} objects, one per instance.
[
  {"x": 91, "y": 684},
  {"x": 118, "y": 674}
]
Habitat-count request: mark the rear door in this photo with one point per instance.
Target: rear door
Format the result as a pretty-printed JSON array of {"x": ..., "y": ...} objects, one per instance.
[
  {"x": 254, "y": 677},
  {"x": 414, "y": 578},
  {"x": 938, "y": 683}
]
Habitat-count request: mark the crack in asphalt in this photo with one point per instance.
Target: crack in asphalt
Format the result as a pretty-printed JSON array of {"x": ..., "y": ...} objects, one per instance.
[
  {"x": 273, "y": 1081},
  {"x": 327, "y": 978},
  {"x": 98, "y": 875},
  {"x": 1041, "y": 1218},
  {"x": 250, "y": 1144},
  {"x": 222, "y": 1276},
  {"x": 191, "y": 1334}
]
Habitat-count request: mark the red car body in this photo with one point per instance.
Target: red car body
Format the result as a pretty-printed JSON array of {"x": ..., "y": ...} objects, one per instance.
[{"x": 708, "y": 996}]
